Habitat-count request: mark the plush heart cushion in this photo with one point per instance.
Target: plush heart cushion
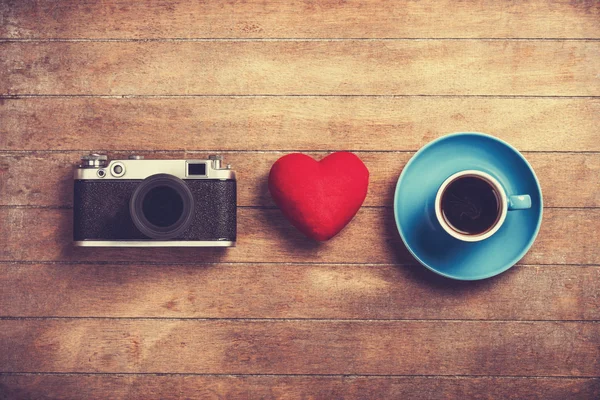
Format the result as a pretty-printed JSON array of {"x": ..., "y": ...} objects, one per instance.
[{"x": 319, "y": 197}]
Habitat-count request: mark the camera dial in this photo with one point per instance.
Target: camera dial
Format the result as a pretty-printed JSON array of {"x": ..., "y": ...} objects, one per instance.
[
  {"x": 118, "y": 169},
  {"x": 93, "y": 160},
  {"x": 216, "y": 160}
]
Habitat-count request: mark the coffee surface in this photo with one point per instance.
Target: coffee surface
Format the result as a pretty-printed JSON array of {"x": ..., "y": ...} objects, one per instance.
[{"x": 470, "y": 205}]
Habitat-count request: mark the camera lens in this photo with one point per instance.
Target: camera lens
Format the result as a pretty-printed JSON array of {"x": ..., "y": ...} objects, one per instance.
[{"x": 162, "y": 206}]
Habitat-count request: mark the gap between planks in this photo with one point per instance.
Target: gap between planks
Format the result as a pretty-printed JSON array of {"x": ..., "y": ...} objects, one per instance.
[
  {"x": 283, "y": 39},
  {"x": 232, "y": 263},
  {"x": 316, "y": 320},
  {"x": 258, "y": 95},
  {"x": 296, "y": 375},
  {"x": 258, "y": 151},
  {"x": 29, "y": 207}
]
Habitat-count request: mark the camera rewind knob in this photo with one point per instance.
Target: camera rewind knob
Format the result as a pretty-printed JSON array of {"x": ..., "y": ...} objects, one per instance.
[
  {"x": 93, "y": 160},
  {"x": 216, "y": 160}
]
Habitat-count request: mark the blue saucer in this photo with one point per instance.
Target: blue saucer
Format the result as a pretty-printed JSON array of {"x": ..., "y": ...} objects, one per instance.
[{"x": 415, "y": 215}]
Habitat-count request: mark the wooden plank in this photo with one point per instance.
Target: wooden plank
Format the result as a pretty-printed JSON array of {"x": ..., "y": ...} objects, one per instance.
[
  {"x": 301, "y": 347},
  {"x": 293, "y": 123},
  {"x": 567, "y": 236},
  {"x": 272, "y": 19},
  {"x": 23, "y": 180},
  {"x": 394, "y": 67},
  {"x": 295, "y": 291},
  {"x": 117, "y": 387}
]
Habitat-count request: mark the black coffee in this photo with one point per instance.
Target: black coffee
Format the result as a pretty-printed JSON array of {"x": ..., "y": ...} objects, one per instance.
[{"x": 470, "y": 205}]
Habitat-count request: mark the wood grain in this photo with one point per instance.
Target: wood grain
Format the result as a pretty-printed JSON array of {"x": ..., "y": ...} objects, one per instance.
[
  {"x": 301, "y": 347},
  {"x": 567, "y": 236},
  {"x": 295, "y": 291},
  {"x": 281, "y": 316},
  {"x": 293, "y": 123},
  {"x": 78, "y": 386},
  {"x": 273, "y": 19},
  {"x": 396, "y": 67},
  {"x": 23, "y": 180}
]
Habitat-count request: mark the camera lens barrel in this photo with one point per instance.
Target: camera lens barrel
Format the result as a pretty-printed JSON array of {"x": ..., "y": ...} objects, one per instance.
[{"x": 162, "y": 206}]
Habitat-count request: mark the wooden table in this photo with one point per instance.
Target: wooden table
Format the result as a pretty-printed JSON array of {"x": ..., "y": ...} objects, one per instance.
[{"x": 280, "y": 316}]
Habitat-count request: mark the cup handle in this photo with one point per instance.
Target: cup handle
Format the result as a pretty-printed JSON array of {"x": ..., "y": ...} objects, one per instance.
[{"x": 519, "y": 202}]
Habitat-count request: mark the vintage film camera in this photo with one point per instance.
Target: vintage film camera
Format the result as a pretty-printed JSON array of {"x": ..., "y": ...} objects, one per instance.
[{"x": 154, "y": 203}]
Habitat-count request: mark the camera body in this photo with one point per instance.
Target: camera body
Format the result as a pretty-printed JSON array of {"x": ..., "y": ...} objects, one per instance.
[{"x": 154, "y": 203}]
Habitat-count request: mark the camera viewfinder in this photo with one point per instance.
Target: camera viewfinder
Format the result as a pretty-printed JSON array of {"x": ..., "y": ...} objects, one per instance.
[{"x": 195, "y": 169}]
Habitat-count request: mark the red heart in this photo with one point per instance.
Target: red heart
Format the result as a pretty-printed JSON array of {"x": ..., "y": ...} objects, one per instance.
[{"x": 319, "y": 197}]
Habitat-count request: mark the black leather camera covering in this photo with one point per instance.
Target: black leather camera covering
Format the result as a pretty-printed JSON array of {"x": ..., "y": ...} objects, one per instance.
[{"x": 101, "y": 210}]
